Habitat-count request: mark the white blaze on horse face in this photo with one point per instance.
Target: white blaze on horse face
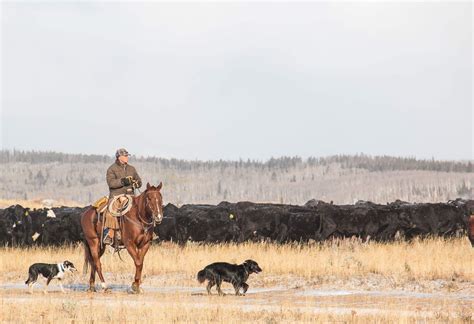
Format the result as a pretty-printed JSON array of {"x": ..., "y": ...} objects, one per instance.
[
  {"x": 155, "y": 208},
  {"x": 160, "y": 213}
]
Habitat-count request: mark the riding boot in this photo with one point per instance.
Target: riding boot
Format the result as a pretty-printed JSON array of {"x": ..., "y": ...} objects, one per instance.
[
  {"x": 117, "y": 239},
  {"x": 109, "y": 238}
]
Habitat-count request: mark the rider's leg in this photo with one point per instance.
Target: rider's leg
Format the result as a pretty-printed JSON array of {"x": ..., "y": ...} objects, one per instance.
[{"x": 108, "y": 235}]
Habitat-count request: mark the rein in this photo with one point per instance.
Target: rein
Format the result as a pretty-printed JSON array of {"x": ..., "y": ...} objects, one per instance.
[
  {"x": 140, "y": 223},
  {"x": 146, "y": 226}
]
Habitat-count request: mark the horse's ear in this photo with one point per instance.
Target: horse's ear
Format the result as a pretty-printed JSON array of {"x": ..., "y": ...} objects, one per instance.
[
  {"x": 148, "y": 186},
  {"x": 160, "y": 186}
]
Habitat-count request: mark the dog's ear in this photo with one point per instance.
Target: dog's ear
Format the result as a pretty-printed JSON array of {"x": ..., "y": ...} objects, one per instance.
[{"x": 247, "y": 264}]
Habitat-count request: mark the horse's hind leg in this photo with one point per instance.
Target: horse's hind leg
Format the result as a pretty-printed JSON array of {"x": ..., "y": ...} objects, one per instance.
[
  {"x": 89, "y": 246},
  {"x": 92, "y": 279},
  {"x": 96, "y": 253}
]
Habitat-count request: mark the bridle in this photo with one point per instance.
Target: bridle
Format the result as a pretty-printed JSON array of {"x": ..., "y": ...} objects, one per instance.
[{"x": 145, "y": 225}]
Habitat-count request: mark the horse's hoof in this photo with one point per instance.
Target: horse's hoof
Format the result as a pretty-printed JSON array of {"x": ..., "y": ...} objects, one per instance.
[
  {"x": 91, "y": 289},
  {"x": 135, "y": 288},
  {"x": 107, "y": 290}
]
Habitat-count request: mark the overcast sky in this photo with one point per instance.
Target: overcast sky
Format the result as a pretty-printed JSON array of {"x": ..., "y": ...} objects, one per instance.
[{"x": 238, "y": 80}]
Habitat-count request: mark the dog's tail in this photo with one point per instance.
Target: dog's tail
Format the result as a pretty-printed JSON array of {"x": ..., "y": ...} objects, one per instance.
[
  {"x": 29, "y": 277},
  {"x": 201, "y": 276}
]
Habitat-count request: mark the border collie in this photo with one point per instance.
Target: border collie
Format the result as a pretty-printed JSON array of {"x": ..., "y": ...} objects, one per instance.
[{"x": 50, "y": 272}]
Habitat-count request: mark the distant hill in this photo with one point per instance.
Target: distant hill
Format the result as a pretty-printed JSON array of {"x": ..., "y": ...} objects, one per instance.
[{"x": 342, "y": 178}]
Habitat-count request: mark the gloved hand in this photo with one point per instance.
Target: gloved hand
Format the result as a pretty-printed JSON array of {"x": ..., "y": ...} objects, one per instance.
[
  {"x": 134, "y": 183},
  {"x": 127, "y": 181}
]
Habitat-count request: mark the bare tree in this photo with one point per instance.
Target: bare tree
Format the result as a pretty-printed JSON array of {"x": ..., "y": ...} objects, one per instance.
[{"x": 342, "y": 178}]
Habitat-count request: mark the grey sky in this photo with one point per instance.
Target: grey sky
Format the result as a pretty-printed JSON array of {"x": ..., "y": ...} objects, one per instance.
[{"x": 238, "y": 80}]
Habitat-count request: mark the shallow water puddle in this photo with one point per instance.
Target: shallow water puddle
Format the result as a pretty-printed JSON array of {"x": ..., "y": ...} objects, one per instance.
[
  {"x": 271, "y": 299},
  {"x": 271, "y": 291}
]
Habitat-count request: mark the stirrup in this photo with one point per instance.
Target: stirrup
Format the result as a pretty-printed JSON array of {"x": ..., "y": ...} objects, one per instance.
[
  {"x": 108, "y": 240},
  {"x": 117, "y": 241},
  {"x": 117, "y": 247}
]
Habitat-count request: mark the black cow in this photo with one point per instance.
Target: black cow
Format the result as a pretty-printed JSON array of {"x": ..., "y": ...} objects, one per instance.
[{"x": 15, "y": 226}]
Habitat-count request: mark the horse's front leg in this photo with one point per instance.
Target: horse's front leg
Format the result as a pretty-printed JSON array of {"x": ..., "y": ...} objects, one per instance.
[
  {"x": 141, "y": 255},
  {"x": 138, "y": 255},
  {"x": 133, "y": 251},
  {"x": 92, "y": 279}
]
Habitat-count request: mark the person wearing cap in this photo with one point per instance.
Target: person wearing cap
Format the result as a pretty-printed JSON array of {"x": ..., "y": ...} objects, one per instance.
[{"x": 122, "y": 178}]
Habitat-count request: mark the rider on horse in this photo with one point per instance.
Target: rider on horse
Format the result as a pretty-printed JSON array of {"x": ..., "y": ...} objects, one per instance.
[{"x": 122, "y": 178}]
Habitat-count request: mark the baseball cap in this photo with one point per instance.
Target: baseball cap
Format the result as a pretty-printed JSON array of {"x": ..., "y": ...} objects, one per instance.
[{"x": 121, "y": 152}]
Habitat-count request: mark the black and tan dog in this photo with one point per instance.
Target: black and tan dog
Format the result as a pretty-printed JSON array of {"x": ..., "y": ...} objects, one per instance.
[
  {"x": 237, "y": 275},
  {"x": 50, "y": 272}
]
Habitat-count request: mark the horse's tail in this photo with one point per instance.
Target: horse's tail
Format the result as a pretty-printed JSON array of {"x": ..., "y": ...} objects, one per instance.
[
  {"x": 201, "y": 276},
  {"x": 87, "y": 257}
]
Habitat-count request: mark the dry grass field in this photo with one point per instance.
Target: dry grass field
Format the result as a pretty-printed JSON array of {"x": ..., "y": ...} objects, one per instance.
[{"x": 341, "y": 281}]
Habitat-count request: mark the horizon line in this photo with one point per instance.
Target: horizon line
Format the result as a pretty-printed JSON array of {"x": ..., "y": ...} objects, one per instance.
[{"x": 263, "y": 161}]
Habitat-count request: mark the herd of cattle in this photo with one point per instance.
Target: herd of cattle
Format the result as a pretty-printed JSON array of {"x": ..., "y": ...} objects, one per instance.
[{"x": 246, "y": 221}]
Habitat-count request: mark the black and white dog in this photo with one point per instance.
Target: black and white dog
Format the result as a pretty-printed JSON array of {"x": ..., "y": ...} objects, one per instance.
[
  {"x": 50, "y": 272},
  {"x": 237, "y": 275}
]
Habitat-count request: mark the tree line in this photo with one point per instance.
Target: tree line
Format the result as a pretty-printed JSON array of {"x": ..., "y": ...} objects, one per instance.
[
  {"x": 29, "y": 175},
  {"x": 360, "y": 161}
]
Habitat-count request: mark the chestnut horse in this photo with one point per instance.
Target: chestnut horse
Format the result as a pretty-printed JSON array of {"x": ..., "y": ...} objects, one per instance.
[{"x": 136, "y": 227}]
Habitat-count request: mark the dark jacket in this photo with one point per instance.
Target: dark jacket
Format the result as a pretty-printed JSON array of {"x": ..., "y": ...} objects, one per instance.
[{"x": 115, "y": 173}]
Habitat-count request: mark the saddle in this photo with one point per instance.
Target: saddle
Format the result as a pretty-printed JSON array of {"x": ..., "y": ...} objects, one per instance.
[
  {"x": 117, "y": 206},
  {"x": 109, "y": 210},
  {"x": 101, "y": 204}
]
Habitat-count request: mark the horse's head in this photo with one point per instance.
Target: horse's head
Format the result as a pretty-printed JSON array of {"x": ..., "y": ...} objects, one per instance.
[{"x": 154, "y": 202}]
